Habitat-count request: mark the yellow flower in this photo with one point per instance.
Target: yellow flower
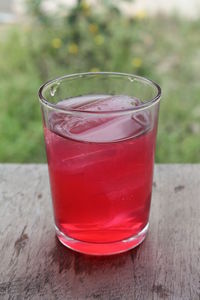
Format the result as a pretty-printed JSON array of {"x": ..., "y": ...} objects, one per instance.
[
  {"x": 99, "y": 39},
  {"x": 136, "y": 62},
  {"x": 73, "y": 48},
  {"x": 141, "y": 14},
  {"x": 27, "y": 28},
  {"x": 93, "y": 28},
  {"x": 56, "y": 43},
  {"x": 85, "y": 7},
  {"x": 94, "y": 70}
]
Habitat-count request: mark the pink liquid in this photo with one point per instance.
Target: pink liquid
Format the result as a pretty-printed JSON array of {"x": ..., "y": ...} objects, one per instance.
[{"x": 100, "y": 171}]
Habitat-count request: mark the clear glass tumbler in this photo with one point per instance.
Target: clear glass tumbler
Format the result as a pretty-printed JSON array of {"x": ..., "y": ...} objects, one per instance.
[{"x": 100, "y": 134}]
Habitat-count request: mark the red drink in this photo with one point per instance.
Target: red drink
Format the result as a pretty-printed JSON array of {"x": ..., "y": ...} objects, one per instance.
[{"x": 101, "y": 172}]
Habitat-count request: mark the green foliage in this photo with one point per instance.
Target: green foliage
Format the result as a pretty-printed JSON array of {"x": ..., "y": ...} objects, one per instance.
[{"x": 81, "y": 39}]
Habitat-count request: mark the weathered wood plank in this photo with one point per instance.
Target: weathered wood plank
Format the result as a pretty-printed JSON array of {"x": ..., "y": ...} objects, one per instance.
[{"x": 34, "y": 265}]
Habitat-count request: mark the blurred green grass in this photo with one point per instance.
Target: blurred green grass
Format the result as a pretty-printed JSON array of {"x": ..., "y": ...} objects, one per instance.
[{"x": 166, "y": 50}]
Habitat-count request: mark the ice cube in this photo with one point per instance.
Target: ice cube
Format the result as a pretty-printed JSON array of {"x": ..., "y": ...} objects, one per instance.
[
  {"x": 98, "y": 128},
  {"x": 109, "y": 103}
]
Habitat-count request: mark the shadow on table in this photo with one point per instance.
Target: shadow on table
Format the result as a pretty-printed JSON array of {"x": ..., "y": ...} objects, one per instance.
[{"x": 67, "y": 259}]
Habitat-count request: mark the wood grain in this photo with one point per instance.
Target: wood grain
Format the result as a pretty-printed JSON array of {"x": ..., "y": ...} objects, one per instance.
[{"x": 34, "y": 265}]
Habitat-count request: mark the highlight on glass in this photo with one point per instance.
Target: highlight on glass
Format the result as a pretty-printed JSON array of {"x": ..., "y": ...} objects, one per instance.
[{"x": 100, "y": 135}]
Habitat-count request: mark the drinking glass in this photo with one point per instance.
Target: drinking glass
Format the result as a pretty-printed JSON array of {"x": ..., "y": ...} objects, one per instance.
[{"x": 100, "y": 134}]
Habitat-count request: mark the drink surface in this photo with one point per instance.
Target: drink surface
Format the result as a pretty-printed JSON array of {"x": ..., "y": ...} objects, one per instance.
[{"x": 100, "y": 168}]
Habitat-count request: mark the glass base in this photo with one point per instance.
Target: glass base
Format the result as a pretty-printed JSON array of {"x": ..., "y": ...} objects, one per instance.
[{"x": 102, "y": 248}]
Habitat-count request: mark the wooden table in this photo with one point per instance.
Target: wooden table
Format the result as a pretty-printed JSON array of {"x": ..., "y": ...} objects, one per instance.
[{"x": 34, "y": 265}]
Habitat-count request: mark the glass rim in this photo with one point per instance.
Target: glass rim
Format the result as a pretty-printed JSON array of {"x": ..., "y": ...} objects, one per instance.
[{"x": 149, "y": 103}]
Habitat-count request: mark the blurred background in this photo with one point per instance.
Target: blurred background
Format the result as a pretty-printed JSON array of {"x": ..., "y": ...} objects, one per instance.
[{"x": 42, "y": 39}]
